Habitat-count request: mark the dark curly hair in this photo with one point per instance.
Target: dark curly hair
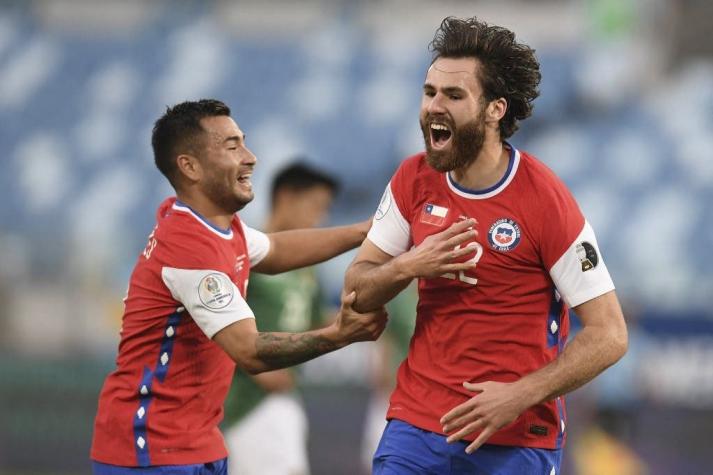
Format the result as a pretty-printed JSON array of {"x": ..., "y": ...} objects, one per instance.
[
  {"x": 178, "y": 131},
  {"x": 508, "y": 69}
]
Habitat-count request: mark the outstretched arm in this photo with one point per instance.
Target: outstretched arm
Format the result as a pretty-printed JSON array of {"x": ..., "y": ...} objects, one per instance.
[
  {"x": 304, "y": 247},
  {"x": 601, "y": 343},
  {"x": 378, "y": 277},
  {"x": 256, "y": 351}
]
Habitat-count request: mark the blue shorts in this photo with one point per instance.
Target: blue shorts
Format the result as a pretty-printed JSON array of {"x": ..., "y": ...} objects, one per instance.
[
  {"x": 219, "y": 467},
  {"x": 405, "y": 449}
]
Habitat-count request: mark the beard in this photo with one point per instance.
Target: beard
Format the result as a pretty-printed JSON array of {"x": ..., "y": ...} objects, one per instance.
[
  {"x": 225, "y": 197},
  {"x": 466, "y": 143}
]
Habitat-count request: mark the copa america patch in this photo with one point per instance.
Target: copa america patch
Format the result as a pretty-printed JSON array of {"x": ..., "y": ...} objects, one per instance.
[
  {"x": 587, "y": 255},
  {"x": 504, "y": 235},
  {"x": 215, "y": 291}
]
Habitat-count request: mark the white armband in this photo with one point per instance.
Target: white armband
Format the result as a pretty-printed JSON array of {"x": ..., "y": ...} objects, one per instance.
[{"x": 580, "y": 273}]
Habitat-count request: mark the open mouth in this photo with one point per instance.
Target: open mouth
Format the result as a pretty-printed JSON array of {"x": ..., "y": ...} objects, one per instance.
[
  {"x": 440, "y": 135},
  {"x": 244, "y": 180}
]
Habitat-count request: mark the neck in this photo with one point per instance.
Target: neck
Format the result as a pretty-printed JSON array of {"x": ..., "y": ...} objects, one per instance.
[
  {"x": 206, "y": 208},
  {"x": 486, "y": 170}
]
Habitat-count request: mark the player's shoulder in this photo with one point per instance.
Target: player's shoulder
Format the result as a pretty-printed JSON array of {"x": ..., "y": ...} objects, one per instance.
[
  {"x": 414, "y": 164},
  {"x": 185, "y": 239},
  {"x": 414, "y": 171},
  {"x": 539, "y": 177}
]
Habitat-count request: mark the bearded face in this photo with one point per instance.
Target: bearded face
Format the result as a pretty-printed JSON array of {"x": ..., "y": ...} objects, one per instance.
[
  {"x": 227, "y": 165},
  {"x": 450, "y": 146}
]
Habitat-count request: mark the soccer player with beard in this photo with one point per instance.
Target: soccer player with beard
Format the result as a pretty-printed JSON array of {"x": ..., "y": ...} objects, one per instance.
[
  {"x": 501, "y": 251},
  {"x": 186, "y": 322}
]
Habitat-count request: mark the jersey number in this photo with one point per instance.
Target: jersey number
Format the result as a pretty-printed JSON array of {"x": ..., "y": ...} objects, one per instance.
[{"x": 461, "y": 275}]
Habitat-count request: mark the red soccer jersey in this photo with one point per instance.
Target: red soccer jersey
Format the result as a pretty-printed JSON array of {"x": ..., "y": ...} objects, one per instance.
[
  {"x": 163, "y": 403},
  {"x": 508, "y": 316}
]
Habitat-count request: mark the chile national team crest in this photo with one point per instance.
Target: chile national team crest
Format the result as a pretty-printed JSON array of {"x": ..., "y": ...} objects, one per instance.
[{"x": 504, "y": 235}]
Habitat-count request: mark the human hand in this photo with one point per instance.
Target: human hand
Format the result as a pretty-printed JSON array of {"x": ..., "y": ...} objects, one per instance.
[
  {"x": 353, "y": 326},
  {"x": 495, "y": 406},
  {"x": 438, "y": 253}
]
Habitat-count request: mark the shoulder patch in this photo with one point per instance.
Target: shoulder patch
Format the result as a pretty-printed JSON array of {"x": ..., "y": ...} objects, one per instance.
[
  {"x": 587, "y": 255},
  {"x": 215, "y": 291}
]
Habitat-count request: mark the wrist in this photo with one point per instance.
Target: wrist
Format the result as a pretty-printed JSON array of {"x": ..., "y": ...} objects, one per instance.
[
  {"x": 334, "y": 335},
  {"x": 530, "y": 392},
  {"x": 402, "y": 268}
]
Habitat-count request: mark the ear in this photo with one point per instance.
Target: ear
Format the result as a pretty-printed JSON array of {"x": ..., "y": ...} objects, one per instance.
[
  {"x": 189, "y": 167},
  {"x": 495, "y": 110}
]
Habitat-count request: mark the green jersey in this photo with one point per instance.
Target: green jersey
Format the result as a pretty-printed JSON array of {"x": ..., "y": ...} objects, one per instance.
[
  {"x": 402, "y": 321},
  {"x": 287, "y": 302}
]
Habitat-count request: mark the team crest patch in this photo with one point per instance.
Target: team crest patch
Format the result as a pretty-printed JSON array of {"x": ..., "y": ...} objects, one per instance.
[
  {"x": 504, "y": 235},
  {"x": 215, "y": 291},
  {"x": 587, "y": 255}
]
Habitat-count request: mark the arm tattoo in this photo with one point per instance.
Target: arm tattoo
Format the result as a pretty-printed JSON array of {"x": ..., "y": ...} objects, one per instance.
[{"x": 279, "y": 350}]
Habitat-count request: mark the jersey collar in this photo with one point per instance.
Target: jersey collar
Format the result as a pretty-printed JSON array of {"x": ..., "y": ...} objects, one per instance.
[
  {"x": 489, "y": 192},
  {"x": 224, "y": 233}
]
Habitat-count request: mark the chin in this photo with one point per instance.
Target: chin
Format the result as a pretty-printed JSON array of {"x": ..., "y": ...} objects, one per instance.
[{"x": 441, "y": 161}]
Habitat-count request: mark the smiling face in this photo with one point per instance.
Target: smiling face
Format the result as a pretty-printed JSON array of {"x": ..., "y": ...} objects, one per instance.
[
  {"x": 226, "y": 164},
  {"x": 452, "y": 113}
]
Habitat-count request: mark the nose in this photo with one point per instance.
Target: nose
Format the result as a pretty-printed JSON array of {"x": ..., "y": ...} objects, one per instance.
[
  {"x": 435, "y": 104},
  {"x": 248, "y": 157}
]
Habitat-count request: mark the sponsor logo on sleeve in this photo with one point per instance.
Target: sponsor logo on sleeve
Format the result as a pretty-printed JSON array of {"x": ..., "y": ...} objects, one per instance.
[
  {"x": 504, "y": 235},
  {"x": 384, "y": 205},
  {"x": 215, "y": 291},
  {"x": 587, "y": 255}
]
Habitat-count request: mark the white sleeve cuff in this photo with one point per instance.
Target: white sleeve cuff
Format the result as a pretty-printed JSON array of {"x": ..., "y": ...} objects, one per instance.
[
  {"x": 390, "y": 231},
  {"x": 257, "y": 242},
  {"x": 210, "y": 297}
]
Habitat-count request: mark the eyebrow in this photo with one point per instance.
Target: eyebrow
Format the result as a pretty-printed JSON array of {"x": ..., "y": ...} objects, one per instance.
[
  {"x": 446, "y": 90},
  {"x": 237, "y": 138}
]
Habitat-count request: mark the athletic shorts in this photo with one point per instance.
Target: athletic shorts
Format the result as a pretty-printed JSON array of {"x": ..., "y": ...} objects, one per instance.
[
  {"x": 219, "y": 467},
  {"x": 405, "y": 449}
]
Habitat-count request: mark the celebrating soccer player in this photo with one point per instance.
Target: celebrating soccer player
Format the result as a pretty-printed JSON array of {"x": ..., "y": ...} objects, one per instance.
[
  {"x": 501, "y": 250},
  {"x": 186, "y": 319}
]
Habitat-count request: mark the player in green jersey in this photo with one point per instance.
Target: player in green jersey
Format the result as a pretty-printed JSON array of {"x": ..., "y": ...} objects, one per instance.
[{"x": 265, "y": 421}]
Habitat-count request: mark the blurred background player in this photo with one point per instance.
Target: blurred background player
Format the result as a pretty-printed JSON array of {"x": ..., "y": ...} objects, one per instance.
[{"x": 266, "y": 426}]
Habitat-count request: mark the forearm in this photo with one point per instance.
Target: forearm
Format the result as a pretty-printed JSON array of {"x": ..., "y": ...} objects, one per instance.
[
  {"x": 304, "y": 247},
  {"x": 275, "y": 350},
  {"x": 375, "y": 284},
  {"x": 592, "y": 351}
]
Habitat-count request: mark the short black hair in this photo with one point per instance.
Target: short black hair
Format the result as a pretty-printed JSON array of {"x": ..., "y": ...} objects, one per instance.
[
  {"x": 300, "y": 176},
  {"x": 178, "y": 130},
  {"x": 508, "y": 69}
]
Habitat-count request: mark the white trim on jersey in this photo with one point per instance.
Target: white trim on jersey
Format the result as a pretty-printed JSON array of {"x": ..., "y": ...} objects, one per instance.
[
  {"x": 492, "y": 191},
  {"x": 209, "y": 296},
  {"x": 389, "y": 231},
  {"x": 580, "y": 273},
  {"x": 257, "y": 242},
  {"x": 225, "y": 234}
]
